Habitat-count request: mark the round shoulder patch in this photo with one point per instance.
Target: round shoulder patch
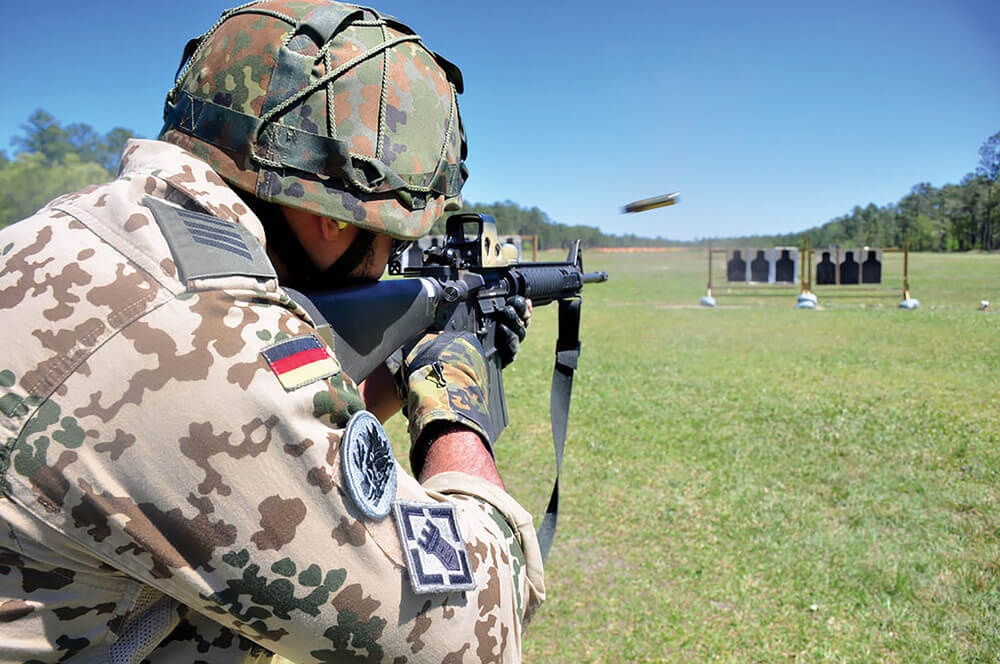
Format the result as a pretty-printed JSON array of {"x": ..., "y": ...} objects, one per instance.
[{"x": 369, "y": 467}]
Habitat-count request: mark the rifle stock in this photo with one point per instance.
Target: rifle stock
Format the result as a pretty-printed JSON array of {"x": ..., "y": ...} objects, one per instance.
[{"x": 370, "y": 322}]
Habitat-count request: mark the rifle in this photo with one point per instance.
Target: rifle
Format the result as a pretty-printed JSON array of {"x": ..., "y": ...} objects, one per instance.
[{"x": 459, "y": 288}]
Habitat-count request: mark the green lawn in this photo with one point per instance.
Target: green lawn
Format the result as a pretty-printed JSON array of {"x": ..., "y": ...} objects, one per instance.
[{"x": 755, "y": 483}]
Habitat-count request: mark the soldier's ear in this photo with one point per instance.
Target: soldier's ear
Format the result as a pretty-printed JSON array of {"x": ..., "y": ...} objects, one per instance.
[{"x": 330, "y": 229}]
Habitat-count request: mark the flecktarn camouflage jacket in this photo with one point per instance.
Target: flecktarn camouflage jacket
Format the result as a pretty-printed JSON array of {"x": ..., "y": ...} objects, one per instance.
[{"x": 175, "y": 480}]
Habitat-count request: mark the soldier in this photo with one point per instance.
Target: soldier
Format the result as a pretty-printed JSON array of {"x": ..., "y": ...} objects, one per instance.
[{"x": 187, "y": 474}]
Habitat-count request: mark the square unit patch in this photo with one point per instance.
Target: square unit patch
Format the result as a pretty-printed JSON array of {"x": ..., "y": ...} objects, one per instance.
[
  {"x": 299, "y": 361},
  {"x": 435, "y": 553}
]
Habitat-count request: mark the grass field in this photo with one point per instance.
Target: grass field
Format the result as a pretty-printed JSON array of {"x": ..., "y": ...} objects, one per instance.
[{"x": 754, "y": 483}]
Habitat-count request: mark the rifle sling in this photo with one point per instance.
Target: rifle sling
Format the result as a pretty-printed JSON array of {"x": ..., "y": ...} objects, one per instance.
[{"x": 567, "y": 354}]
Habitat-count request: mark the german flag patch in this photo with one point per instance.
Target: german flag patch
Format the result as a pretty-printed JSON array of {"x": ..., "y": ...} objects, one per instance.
[{"x": 300, "y": 361}]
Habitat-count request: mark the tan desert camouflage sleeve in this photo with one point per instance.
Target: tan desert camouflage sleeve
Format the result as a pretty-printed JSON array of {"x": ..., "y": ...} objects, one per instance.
[{"x": 178, "y": 458}]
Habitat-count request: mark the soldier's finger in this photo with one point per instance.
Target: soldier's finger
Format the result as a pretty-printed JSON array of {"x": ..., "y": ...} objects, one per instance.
[
  {"x": 507, "y": 344},
  {"x": 520, "y": 305},
  {"x": 512, "y": 320}
]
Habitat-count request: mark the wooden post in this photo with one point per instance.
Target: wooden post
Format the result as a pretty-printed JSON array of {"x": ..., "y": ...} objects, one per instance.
[
  {"x": 906, "y": 268},
  {"x": 534, "y": 246},
  {"x": 809, "y": 270},
  {"x": 803, "y": 252},
  {"x": 709, "y": 268}
]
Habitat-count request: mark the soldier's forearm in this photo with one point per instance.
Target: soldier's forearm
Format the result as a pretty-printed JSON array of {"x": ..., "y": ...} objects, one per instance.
[{"x": 457, "y": 448}]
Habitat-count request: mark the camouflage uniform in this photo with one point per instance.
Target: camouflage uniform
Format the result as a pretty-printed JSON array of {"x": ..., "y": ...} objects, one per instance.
[{"x": 165, "y": 499}]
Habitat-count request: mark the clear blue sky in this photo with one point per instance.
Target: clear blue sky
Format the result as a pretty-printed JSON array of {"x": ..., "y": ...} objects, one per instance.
[{"x": 767, "y": 117}]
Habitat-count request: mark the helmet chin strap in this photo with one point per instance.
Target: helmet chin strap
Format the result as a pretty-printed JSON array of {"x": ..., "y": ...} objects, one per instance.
[{"x": 303, "y": 274}]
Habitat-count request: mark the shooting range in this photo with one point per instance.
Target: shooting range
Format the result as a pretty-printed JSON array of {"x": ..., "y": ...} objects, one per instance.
[
  {"x": 781, "y": 442},
  {"x": 775, "y": 451}
]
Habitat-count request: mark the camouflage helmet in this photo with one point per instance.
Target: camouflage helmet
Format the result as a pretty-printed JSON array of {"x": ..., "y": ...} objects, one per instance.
[{"x": 332, "y": 108}]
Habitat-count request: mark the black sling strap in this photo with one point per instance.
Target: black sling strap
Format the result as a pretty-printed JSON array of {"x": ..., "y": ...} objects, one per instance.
[{"x": 567, "y": 355}]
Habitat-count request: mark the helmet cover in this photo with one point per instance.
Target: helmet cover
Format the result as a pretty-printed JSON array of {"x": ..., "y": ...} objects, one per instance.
[{"x": 331, "y": 108}]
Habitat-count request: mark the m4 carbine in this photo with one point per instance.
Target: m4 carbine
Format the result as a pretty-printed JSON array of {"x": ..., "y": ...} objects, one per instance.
[{"x": 461, "y": 287}]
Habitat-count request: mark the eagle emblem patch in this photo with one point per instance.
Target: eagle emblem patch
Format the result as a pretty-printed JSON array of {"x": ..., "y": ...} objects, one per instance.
[{"x": 368, "y": 464}]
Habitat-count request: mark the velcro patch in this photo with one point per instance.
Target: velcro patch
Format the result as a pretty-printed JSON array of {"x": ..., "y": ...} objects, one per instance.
[
  {"x": 204, "y": 246},
  {"x": 300, "y": 361},
  {"x": 435, "y": 553}
]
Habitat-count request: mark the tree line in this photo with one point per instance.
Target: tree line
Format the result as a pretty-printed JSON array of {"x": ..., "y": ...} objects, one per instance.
[
  {"x": 512, "y": 219},
  {"x": 954, "y": 217},
  {"x": 51, "y": 159}
]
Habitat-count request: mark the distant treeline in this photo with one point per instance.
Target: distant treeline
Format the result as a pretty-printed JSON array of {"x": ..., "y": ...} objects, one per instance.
[
  {"x": 51, "y": 159},
  {"x": 955, "y": 217},
  {"x": 512, "y": 219}
]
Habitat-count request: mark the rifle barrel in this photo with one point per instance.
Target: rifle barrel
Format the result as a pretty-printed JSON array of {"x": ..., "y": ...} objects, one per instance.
[{"x": 595, "y": 277}]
